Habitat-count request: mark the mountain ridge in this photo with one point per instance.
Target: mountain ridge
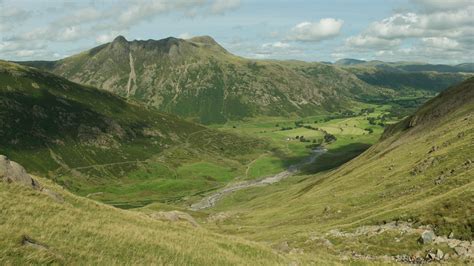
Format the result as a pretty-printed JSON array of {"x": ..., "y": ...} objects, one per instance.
[{"x": 198, "y": 79}]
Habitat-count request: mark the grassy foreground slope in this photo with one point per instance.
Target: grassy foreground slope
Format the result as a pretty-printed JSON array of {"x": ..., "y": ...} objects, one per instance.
[
  {"x": 36, "y": 229},
  {"x": 421, "y": 173},
  {"x": 94, "y": 142}
]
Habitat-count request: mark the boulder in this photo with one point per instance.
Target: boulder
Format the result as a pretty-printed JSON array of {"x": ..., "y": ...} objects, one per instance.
[
  {"x": 12, "y": 172},
  {"x": 427, "y": 237},
  {"x": 431, "y": 256},
  {"x": 174, "y": 216},
  {"x": 30, "y": 242}
]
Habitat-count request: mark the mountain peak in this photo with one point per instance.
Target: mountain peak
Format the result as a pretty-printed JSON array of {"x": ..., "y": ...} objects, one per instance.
[
  {"x": 120, "y": 39},
  {"x": 204, "y": 39}
]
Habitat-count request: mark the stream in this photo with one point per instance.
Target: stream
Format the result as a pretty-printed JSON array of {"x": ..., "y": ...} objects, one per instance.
[{"x": 211, "y": 200}]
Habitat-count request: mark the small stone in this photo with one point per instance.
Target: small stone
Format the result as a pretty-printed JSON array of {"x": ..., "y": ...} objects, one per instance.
[
  {"x": 427, "y": 237},
  {"x": 431, "y": 256},
  {"x": 439, "y": 254},
  {"x": 451, "y": 235}
]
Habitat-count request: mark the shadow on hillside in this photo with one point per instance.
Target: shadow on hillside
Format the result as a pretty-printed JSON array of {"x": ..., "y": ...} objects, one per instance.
[
  {"x": 331, "y": 160},
  {"x": 335, "y": 158},
  {"x": 328, "y": 161}
]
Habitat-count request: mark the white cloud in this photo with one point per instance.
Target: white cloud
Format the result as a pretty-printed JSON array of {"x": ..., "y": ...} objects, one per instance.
[
  {"x": 431, "y": 5},
  {"x": 80, "y": 16},
  {"x": 185, "y": 36},
  {"x": 441, "y": 43},
  {"x": 11, "y": 17},
  {"x": 439, "y": 30},
  {"x": 222, "y": 6},
  {"x": 76, "y": 20},
  {"x": 281, "y": 45},
  {"x": 325, "y": 28},
  {"x": 363, "y": 42}
]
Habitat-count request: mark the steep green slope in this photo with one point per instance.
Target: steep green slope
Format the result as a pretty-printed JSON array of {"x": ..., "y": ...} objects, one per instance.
[
  {"x": 420, "y": 175},
  {"x": 407, "y": 83},
  {"x": 197, "y": 78},
  {"x": 87, "y": 139},
  {"x": 37, "y": 229},
  {"x": 407, "y": 66}
]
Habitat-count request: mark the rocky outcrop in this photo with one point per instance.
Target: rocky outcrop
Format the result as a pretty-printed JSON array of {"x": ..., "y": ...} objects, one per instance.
[{"x": 12, "y": 172}]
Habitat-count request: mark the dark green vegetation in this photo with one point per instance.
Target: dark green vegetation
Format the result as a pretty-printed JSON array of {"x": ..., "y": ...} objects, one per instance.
[
  {"x": 420, "y": 173},
  {"x": 199, "y": 79},
  {"x": 93, "y": 142}
]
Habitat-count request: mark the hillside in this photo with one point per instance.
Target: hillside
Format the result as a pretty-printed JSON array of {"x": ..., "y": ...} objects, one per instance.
[
  {"x": 199, "y": 79},
  {"x": 93, "y": 142},
  {"x": 408, "y": 66},
  {"x": 39, "y": 229},
  {"x": 417, "y": 178}
]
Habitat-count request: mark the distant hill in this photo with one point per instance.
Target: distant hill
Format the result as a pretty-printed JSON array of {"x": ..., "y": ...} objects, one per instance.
[
  {"x": 408, "y": 77},
  {"x": 83, "y": 137},
  {"x": 349, "y": 62},
  {"x": 197, "y": 78},
  {"x": 408, "y": 66}
]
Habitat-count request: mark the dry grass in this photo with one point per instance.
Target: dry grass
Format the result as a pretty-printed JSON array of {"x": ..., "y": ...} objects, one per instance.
[{"x": 81, "y": 231}]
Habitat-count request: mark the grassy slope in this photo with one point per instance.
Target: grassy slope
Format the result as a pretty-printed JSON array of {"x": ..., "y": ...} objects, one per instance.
[
  {"x": 396, "y": 179},
  {"x": 415, "y": 84},
  {"x": 81, "y": 231},
  {"x": 94, "y": 142}
]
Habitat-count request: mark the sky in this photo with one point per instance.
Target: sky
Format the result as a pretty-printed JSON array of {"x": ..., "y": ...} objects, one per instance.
[{"x": 434, "y": 31}]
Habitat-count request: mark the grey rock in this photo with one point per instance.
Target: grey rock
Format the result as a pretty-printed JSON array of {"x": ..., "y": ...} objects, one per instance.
[
  {"x": 12, "y": 172},
  {"x": 427, "y": 237}
]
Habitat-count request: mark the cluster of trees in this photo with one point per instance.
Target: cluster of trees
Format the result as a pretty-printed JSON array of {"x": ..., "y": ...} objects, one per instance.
[
  {"x": 373, "y": 120},
  {"x": 329, "y": 138},
  {"x": 302, "y": 139},
  {"x": 367, "y": 111}
]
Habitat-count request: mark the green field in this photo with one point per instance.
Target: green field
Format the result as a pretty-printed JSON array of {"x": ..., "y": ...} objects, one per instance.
[{"x": 293, "y": 138}]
